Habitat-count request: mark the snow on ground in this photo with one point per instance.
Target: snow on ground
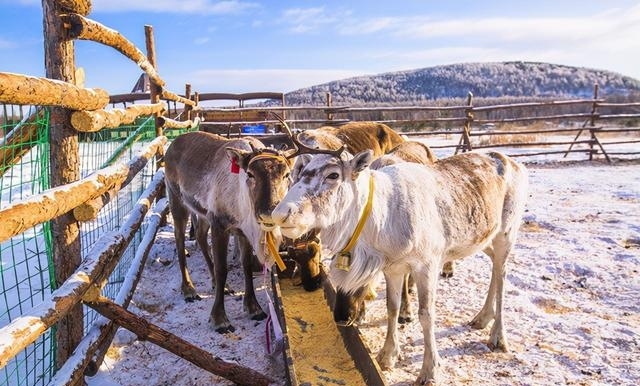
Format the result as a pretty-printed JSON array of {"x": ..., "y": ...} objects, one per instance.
[{"x": 572, "y": 300}]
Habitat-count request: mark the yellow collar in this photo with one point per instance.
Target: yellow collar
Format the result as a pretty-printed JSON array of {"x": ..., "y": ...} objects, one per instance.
[
  {"x": 344, "y": 256},
  {"x": 273, "y": 250}
]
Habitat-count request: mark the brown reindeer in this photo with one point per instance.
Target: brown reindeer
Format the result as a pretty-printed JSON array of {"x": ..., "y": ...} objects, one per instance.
[
  {"x": 232, "y": 186},
  {"x": 357, "y": 136}
]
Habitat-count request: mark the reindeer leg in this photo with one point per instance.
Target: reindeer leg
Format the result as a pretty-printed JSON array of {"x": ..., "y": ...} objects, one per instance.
[
  {"x": 193, "y": 226},
  {"x": 405, "y": 305},
  {"x": 499, "y": 253},
  {"x": 201, "y": 230},
  {"x": 250, "y": 302},
  {"x": 427, "y": 284},
  {"x": 218, "y": 317},
  {"x": 487, "y": 313},
  {"x": 447, "y": 269},
  {"x": 388, "y": 355},
  {"x": 180, "y": 215}
]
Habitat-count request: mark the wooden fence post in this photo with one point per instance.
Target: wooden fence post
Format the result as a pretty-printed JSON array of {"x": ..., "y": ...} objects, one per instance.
[
  {"x": 465, "y": 139},
  {"x": 187, "y": 108},
  {"x": 155, "y": 91},
  {"x": 283, "y": 113},
  {"x": 592, "y": 121},
  {"x": 329, "y": 102},
  {"x": 65, "y": 168}
]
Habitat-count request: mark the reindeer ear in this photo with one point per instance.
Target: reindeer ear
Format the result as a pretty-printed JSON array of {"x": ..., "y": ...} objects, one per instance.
[
  {"x": 238, "y": 156},
  {"x": 361, "y": 161},
  {"x": 300, "y": 162}
]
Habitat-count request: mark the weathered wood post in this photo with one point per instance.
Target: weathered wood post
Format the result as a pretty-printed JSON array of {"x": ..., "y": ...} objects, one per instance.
[
  {"x": 283, "y": 113},
  {"x": 465, "y": 139},
  {"x": 592, "y": 120},
  {"x": 65, "y": 168},
  {"x": 187, "y": 108},
  {"x": 329, "y": 102},
  {"x": 154, "y": 91}
]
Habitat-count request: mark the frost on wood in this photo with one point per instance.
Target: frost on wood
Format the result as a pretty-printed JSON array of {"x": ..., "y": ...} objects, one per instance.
[
  {"x": 82, "y": 7},
  {"x": 54, "y": 202},
  {"x": 30, "y": 90},
  {"x": 86, "y": 29},
  {"x": 92, "y": 121},
  {"x": 168, "y": 123}
]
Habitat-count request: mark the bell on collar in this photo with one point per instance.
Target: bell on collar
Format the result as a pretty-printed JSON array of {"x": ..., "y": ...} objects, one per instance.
[{"x": 343, "y": 261}]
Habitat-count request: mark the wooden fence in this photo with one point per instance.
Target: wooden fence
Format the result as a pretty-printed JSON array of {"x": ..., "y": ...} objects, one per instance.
[
  {"x": 73, "y": 110},
  {"x": 76, "y": 109},
  {"x": 476, "y": 127}
]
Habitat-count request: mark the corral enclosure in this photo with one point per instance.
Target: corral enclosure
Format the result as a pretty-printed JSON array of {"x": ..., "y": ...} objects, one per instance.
[{"x": 64, "y": 222}]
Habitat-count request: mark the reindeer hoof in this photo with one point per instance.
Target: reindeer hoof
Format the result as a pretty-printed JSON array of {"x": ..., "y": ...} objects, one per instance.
[
  {"x": 386, "y": 362},
  {"x": 404, "y": 319},
  {"x": 190, "y": 295},
  {"x": 226, "y": 329},
  {"x": 498, "y": 343},
  {"x": 259, "y": 316},
  {"x": 227, "y": 291},
  {"x": 448, "y": 269}
]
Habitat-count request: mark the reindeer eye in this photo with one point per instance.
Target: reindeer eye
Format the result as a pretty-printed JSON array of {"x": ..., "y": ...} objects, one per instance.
[
  {"x": 286, "y": 176},
  {"x": 333, "y": 176},
  {"x": 249, "y": 174}
]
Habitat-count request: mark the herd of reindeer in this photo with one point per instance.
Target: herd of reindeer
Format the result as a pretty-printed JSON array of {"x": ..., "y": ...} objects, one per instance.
[{"x": 361, "y": 194}]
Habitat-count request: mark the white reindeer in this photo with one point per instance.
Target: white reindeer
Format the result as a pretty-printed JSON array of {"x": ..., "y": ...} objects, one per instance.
[{"x": 412, "y": 219}]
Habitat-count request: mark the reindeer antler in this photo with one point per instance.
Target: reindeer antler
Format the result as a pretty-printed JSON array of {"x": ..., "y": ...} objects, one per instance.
[
  {"x": 301, "y": 148},
  {"x": 282, "y": 121}
]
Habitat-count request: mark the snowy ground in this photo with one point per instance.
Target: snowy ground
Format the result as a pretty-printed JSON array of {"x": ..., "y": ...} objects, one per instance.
[{"x": 572, "y": 301}]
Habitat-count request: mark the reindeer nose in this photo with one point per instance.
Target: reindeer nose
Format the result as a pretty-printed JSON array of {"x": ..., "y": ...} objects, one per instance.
[
  {"x": 281, "y": 213},
  {"x": 265, "y": 221}
]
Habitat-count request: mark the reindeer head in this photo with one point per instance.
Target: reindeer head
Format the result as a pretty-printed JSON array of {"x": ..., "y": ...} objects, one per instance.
[{"x": 268, "y": 176}]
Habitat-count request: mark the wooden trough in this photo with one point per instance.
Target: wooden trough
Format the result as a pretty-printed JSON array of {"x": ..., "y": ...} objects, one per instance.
[{"x": 317, "y": 351}]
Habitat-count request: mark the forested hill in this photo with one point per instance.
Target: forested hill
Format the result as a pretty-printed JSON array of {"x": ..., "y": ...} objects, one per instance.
[{"x": 504, "y": 79}]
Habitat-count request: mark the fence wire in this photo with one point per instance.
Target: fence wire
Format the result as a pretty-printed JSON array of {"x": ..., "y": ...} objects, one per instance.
[
  {"x": 26, "y": 266},
  {"x": 26, "y": 269}
]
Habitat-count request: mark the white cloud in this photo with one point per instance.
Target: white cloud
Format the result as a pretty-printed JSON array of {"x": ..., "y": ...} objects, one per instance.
[
  {"x": 174, "y": 6},
  {"x": 369, "y": 26},
  {"x": 301, "y": 20},
  {"x": 201, "y": 40},
  {"x": 6, "y": 44},
  {"x": 607, "y": 40}
]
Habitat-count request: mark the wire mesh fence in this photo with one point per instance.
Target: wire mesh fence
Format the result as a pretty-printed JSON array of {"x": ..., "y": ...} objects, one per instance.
[
  {"x": 26, "y": 269},
  {"x": 26, "y": 266}
]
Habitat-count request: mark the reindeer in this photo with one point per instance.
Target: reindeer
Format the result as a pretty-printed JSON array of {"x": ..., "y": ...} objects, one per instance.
[
  {"x": 409, "y": 218},
  {"x": 232, "y": 186},
  {"x": 356, "y": 136},
  {"x": 408, "y": 151}
]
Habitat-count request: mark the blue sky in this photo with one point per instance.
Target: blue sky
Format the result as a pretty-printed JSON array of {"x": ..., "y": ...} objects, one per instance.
[{"x": 247, "y": 45}]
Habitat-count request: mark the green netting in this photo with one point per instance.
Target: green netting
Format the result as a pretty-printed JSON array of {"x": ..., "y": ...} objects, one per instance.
[
  {"x": 25, "y": 260},
  {"x": 26, "y": 272},
  {"x": 101, "y": 149}
]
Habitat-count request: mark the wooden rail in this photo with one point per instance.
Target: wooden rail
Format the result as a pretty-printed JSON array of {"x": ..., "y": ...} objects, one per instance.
[
  {"x": 26, "y": 329},
  {"x": 466, "y": 121},
  {"x": 30, "y": 90},
  {"x": 56, "y": 201}
]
